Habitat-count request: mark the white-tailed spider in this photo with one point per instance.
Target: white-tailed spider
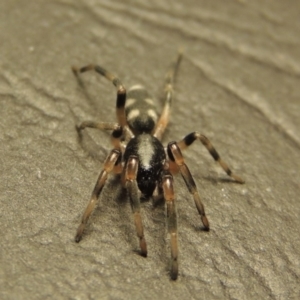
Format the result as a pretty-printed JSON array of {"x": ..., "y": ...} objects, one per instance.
[{"x": 146, "y": 167}]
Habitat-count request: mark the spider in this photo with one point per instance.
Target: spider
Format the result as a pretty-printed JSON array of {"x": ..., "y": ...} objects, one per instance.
[{"x": 146, "y": 167}]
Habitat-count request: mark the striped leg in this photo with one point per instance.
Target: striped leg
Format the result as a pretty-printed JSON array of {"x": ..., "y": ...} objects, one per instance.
[
  {"x": 190, "y": 138},
  {"x": 175, "y": 155},
  {"x": 164, "y": 117},
  {"x": 172, "y": 222},
  {"x": 109, "y": 165},
  {"x": 133, "y": 191},
  {"x": 121, "y": 91}
]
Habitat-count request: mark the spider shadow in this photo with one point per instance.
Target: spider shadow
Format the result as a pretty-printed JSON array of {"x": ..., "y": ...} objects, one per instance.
[
  {"x": 82, "y": 87},
  {"x": 128, "y": 229},
  {"x": 84, "y": 138},
  {"x": 216, "y": 180},
  {"x": 154, "y": 223},
  {"x": 89, "y": 145}
]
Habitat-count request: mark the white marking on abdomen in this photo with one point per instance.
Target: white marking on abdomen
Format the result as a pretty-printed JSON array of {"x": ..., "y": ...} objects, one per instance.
[
  {"x": 149, "y": 101},
  {"x": 136, "y": 87},
  {"x": 152, "y": 113},
  {"x": 130, "y": 102},
  {"x": 133, "y": 114}
]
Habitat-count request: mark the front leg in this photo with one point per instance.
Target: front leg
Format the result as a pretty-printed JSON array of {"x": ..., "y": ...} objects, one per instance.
[
  {"x": 168, "y": 190},
  {"x": 133, "y": 192}
]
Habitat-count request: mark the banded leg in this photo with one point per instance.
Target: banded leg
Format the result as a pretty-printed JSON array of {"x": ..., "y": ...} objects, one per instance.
[
  {"x": 121, "y": 91},
  {"x": 164, "y": 117},
  {"x": 172, "y": 222},
  {"x": 133, "y": 191},
  {"x": 175, "y": 154},
  {"x": 109, "y": 164},
  {"x": 190, "y": 138}
]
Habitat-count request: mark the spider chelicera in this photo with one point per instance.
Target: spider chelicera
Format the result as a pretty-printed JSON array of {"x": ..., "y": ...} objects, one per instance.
[{"x": 146, "y": 167}]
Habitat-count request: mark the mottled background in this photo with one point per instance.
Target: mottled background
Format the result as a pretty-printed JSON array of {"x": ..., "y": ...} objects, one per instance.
[{"x": 238, "y": 84}]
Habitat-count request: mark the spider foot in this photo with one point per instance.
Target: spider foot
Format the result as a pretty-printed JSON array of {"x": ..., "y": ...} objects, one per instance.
[
  {"x": 75, "y": 70},
  {"x": 79, "y": 233},
  {"x": 238, "y": 179},
  {"x": 174, "y": 270},
  {"x": 205, "y": 223},
  {"x": 143, "y": 246}
]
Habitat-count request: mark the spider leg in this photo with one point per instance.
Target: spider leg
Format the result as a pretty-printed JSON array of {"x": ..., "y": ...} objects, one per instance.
[
  {"x": 98, "y": 125},
  {"x": 190, "y": 138},
  {"x": 175, "y": 155},
  {"x": 121, "y": 91},
  {"x": 164, "y": 117},
  {"x": 109, "y": 165},
  {"x": 133, "y": 191},
  {"x": 172, "y": 221}
]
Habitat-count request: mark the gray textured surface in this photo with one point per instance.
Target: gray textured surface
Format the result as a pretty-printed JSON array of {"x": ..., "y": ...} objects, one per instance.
[{"x": 238, "y": 84}]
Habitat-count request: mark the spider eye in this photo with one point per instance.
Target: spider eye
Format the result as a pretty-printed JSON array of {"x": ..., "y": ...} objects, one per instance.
[{"x": 146, "y": 184}]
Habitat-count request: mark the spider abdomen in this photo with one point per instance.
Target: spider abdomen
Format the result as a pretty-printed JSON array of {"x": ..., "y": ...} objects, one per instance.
[
  {"x": 140, "y": 110},
  {"x": 151, "y": 156}
]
